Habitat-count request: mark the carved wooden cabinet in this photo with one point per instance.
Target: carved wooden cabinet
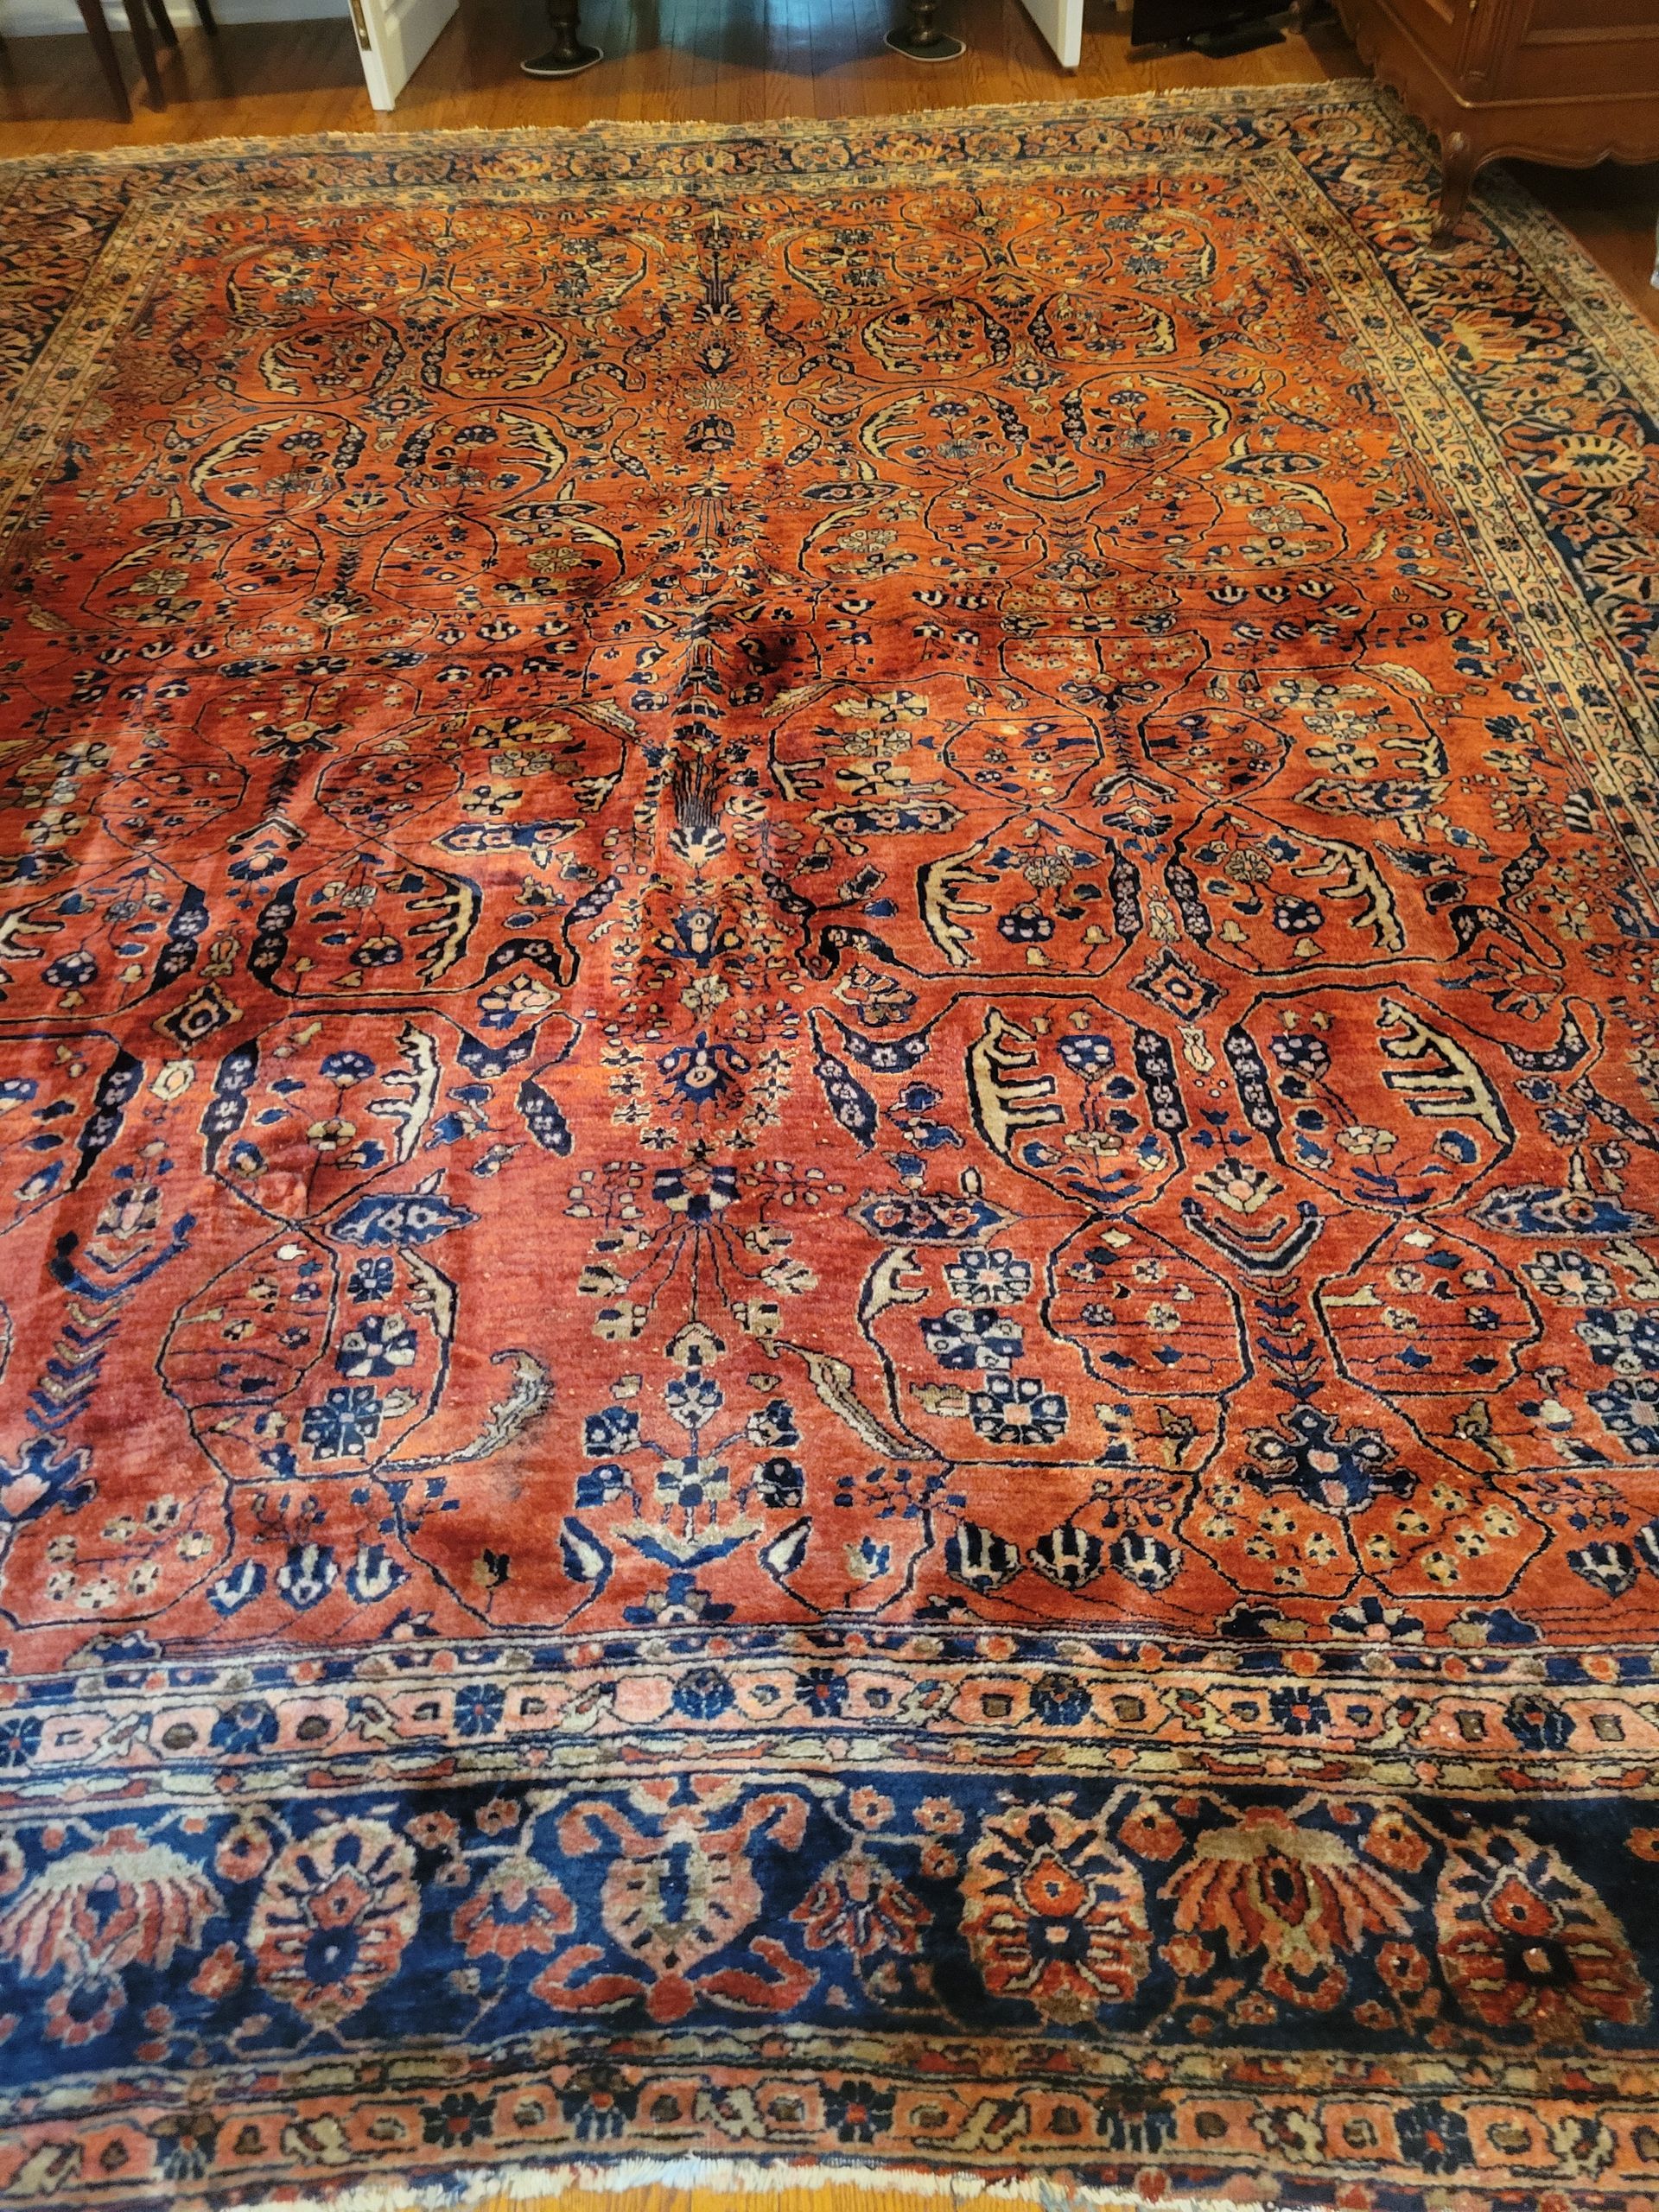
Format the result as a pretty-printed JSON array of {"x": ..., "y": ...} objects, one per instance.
[{"x": 1550, "y": 80}]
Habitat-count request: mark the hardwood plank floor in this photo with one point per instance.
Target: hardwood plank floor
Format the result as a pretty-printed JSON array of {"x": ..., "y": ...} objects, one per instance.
[{"x": 717, "y": 60}]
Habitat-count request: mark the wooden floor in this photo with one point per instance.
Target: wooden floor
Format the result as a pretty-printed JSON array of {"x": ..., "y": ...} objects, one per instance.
[{"x": 717, "y": 60}]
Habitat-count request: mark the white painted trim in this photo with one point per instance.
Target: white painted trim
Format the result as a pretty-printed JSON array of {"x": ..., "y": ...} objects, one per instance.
[
  {"x": 1060, "y": 22},
  {"x": 393, "y": 38}
]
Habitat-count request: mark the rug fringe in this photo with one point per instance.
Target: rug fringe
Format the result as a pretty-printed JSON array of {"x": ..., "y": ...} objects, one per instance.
[
  {"x": 1333, "y": 92},
  {"x": 695, "y": 2184}
]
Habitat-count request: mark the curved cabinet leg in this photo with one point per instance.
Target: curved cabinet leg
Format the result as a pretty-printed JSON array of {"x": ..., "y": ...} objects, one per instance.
[
  {"x": 567, "y": 56},
  {"x": 1459, "y": 160}
]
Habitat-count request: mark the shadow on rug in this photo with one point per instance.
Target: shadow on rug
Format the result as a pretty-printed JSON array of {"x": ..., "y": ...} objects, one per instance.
[{"x": 828, "y": 1142}]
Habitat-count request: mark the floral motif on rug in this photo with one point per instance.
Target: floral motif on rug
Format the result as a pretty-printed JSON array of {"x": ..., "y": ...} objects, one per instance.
[{"x": 828, "y": 1150}]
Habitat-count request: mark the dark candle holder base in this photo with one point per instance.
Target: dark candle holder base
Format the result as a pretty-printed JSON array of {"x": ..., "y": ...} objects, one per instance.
[
  {"x": 569, "y": 56},
  {"x": 940, "y": 47},
  {"x": 919, "y": 38},
  {"x": 559, "y": 62}
]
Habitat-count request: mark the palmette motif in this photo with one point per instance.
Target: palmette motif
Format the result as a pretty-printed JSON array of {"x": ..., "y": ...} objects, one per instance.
[{"x": 829, "y": 1140}]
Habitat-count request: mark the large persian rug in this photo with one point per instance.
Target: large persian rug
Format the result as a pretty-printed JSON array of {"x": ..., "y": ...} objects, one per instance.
[{"x": 830, "y": 1119}]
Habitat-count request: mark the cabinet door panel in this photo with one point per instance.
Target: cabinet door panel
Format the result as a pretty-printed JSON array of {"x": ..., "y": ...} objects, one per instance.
[
  {"x": 1583, "y": 61},
  {"x": 1590, "y": 16},
  {"x": 1440, "y": 27}
]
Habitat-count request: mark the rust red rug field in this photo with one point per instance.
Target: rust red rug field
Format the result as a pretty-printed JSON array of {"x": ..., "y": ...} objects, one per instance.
[{"x": 828, "y": 1123}]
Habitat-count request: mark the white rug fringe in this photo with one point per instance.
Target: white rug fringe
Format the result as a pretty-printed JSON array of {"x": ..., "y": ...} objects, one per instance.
[{"x": 506, "y": 2185}]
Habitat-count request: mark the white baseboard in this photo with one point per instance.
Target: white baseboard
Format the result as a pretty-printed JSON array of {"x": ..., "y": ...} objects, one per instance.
[{"x": 39, "y": 18}]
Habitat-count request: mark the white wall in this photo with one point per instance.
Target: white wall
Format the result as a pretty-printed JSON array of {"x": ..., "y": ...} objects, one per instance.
[{"x": 25, "y": 18}]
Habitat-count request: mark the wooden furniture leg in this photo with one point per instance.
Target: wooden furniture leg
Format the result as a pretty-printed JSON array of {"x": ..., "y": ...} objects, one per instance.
[
  {"x": 1536, "y": 81},
  {"x": 138, "y": 24},
  {"x": 1459, "y": 159},
  {"x": 920, "y": 36},
  {"x": 164, "y": 30},
  {"x": 568, "y": 56},
  {"x": 206, "y": 18},
  {"x": 91, "y": 14}
]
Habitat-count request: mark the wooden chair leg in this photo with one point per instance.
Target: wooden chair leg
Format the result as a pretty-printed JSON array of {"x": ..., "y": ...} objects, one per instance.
[
  {"x": 91, "y": 14},
  {"x": 206, "y": 18},
  {"x": 164, "y": 30},
  {"x": 138, "y": 24}
]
